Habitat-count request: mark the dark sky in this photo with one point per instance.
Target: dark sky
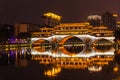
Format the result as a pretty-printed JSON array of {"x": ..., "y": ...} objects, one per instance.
[{"x": 16, "y": 11}]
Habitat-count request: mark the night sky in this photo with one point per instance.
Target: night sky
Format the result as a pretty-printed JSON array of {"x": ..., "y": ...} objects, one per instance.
[{"x": 30, "y": 11}]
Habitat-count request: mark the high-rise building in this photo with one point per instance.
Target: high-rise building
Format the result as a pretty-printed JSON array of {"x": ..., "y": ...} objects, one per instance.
[
  {"x": 109, "y": 20},
  {"x": 94, "y": 20},
  {"x": 50, "y": 19}
]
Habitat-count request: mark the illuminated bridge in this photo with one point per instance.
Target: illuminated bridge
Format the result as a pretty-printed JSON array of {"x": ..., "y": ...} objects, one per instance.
[{"x": 72, "y": 39}]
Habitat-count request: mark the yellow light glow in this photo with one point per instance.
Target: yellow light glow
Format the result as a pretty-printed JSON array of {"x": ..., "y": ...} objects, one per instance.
[
  {"x": 52, "y": 15},
  {"x": 115, "y": 69},
  {"x": 95, "y": 68},
  {"x": 115, "y": 15},
  {"x": 53, "y": 72},
  {"x": 118, "y": 22}
]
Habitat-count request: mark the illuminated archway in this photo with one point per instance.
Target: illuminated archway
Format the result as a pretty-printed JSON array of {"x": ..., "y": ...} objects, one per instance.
[
  {"x": 41, "y": 45},
  {"x": 71, "y": 45},
  {"x": 102, "y": 45}
]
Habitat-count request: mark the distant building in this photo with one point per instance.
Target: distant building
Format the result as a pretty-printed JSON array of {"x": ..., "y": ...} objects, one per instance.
[
  {"x": 109, "y": 20},
  {"x": 6, "y": 32},
  {"x": 50, "y": 19},
  {"x": 94, "y": 20},
  {"x": 117, "y": 33},
  {"x": 25, "y": 28}
]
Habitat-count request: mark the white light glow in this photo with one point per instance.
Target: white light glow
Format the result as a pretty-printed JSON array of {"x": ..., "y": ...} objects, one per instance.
[{"x": 33, "y": 52}]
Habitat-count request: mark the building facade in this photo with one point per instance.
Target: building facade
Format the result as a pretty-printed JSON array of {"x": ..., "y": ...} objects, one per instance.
[
  {"x": 109, "y": 20},
  {"x": 50, "y": 19},
  {"x": 94, "y": 20},
  {"x": 25, "y": 28}
]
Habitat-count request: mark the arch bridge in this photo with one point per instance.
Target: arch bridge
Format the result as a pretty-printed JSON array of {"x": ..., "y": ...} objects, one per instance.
[
  {"x": 73, "y": 44},
  {"x": 62, "y": 38}
]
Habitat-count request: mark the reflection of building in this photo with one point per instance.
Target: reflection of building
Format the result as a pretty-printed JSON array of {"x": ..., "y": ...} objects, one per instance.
[
  {"x": 93, "y": 64},
  {"x": 109, "y": 20},
  {"x": 52, "y": 72},
  {"x": 94, "y": 20}
]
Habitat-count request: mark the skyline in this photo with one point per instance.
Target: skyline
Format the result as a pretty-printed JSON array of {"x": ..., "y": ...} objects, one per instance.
[{"x": 30, "y": 11}]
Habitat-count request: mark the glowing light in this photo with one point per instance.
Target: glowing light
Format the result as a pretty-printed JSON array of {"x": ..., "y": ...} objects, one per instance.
[
  {"x": 94, "y": 17},
  {"x": 52, "y": 15},
  {"x": 53, "y": 72},
  {"x": 115, "y": 15},
  {"x": 115, "y": 69},
  {"x": 95, "y": 68}
]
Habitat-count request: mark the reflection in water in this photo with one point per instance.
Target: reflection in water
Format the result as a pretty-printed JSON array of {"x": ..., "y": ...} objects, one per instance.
[
  {"x": 95, "y": 58},
  {"x": 95, "y": 68},
  {"x": 56, "y": 64},
  {"x": 18, "y": 57},
  {"x": 92, "y": 64},
  {"x": 52, "y": 72},
  {"x": 115, "y": 69}
]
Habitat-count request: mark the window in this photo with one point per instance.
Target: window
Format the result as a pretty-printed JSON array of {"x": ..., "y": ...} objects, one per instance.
[{"x": 75, "y": 27}]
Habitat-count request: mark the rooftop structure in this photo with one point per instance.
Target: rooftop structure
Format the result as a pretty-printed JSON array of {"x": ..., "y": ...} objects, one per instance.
[
  {"x": 94, "y": 17},
  {"x": 74, "y": 29},
  {"x": 50, "y": 19},
  {"x": 110, "y": 20},
  {"x": 94, "y": 20},
  {"x": 53, "y": 16}
]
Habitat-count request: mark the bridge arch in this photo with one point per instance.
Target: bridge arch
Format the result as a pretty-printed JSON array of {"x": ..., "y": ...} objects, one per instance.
[
  {"x": 62, "y": 41},
  {"x": 41, "y": 45},
  {"x": 40, "y": 41},
  {"x": 102, "y": 45},
  {"x": 71, "y": 45}
]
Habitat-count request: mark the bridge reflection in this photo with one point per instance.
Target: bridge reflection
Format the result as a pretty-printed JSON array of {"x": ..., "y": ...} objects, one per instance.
[
  {"x": 92, "y": 64},
  {"x": 56, "y": 62},
  {"x": 17, "y": 57},
  {"x": 74, "y": 53}
]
